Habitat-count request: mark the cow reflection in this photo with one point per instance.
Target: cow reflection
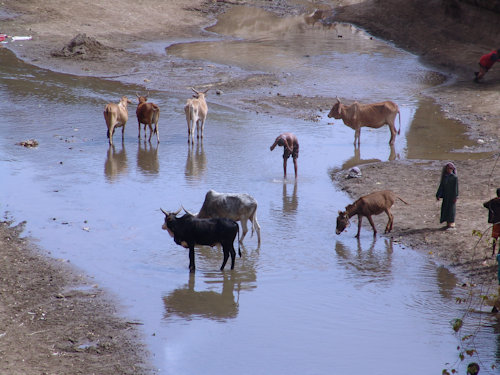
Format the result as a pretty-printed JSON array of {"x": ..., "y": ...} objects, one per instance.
[
  {"x": 196, "y": 162},
  {"x": 188, "y": 303},
  {"x": 356, "y": 160},
  {"x": 147, "y": 158},
  {"x": 290, "y": 202},
  {"x": 368, "y": 263},
  {"x": 116, "y": 162}
]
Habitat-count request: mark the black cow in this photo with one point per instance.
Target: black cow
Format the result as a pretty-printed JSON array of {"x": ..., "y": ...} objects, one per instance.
[{"x": 189, "y": 231}]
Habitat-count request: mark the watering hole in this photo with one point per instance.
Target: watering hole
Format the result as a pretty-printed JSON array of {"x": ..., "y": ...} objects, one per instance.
[{"x": 307, "y": 301}]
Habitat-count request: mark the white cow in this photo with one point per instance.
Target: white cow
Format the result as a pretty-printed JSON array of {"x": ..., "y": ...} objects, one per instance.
[
  {"x": 196, "y": 112},
  {"x": 116, "y": 115}
]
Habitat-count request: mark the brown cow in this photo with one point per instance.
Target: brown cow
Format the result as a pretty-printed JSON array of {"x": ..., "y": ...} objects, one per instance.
[
  {"x": 147, "y": 114},
  {"x": 368, "y": 205},
  {"x": 196, "y": 112},
  {"x": 116, "y": 115},
  {"x": 373, "y": 115}
]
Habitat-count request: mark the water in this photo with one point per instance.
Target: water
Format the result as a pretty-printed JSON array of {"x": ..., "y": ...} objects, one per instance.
[{"x": 307, "y": 301}]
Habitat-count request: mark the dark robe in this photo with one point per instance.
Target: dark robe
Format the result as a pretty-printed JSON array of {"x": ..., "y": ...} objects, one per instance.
[{"x": 448, "y": 190}]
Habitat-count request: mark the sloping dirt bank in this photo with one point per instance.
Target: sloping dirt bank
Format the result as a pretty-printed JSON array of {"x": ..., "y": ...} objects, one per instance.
[{"x": 54, "y": 324}]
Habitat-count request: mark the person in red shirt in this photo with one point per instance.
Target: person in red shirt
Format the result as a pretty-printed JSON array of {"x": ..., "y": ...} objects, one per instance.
[{"x": 485, "y": 63}]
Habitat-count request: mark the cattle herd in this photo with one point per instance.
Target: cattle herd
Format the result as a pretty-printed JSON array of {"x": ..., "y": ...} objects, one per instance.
[{"x": 216, "y": 222}]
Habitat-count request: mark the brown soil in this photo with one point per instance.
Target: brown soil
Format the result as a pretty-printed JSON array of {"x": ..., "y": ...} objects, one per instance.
[{"x": 54, "y": 320}]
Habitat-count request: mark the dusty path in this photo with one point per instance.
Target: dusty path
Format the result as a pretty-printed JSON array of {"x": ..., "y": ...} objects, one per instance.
[{"x": 53, "y": 325}]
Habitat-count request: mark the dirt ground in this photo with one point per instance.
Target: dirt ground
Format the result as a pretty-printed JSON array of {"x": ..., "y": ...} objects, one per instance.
[{"x": 55, "y": 320}]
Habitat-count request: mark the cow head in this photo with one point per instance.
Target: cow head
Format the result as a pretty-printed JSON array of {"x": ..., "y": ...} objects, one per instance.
[
  {"x": 199, "y": 94},
  {"x": 124, "y": 101},
  {"x": 335, "y": 112},
  {"x": 141, "y": 98},
  {"x": 169, "y": 223},
  {"x": 342, "y": 222}
]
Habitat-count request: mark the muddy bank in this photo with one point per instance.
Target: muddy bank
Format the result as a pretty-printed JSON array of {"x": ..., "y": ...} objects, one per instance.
[{"x": 56, "y": 321}]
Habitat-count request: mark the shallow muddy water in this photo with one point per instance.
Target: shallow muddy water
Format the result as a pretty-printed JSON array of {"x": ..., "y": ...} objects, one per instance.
[{"x": 307, "y": 301}]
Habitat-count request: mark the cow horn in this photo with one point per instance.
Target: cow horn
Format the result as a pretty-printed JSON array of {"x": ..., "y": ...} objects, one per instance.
[
  {"x": 177, "y": 212},
  {"x": 186, "y": 211},
  {"x": 338, "y": 100},
  {"x": 165, "y": 212},
  {"x": 136, "y": 94},
  {"x": 197, "y": 93}
]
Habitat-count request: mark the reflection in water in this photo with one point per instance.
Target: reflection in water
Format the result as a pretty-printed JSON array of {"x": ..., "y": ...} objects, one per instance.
[
  {"x": 367, "y": 263},
  {"x": 147, "y": 158},
  {"x": 290, "y": 203},
  {"x": 446, "y": 282},
  {"x": 116, "y": 162},
  {"x": 188, "y": 303},
  {"x": 356, "y": 160},
  {"x": 432, "y": 136},
  {"x": 196, "y": 162}
]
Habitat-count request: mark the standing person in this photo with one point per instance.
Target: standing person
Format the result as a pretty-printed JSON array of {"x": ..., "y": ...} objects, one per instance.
[
  {"x": 493, "y": 207},
  {"x": 290, "y": 145},
  {"x": 485, "y": 63},
  {"x": 448, "y": 190}
]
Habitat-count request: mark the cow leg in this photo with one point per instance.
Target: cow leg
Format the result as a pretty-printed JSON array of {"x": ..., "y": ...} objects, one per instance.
[
  {"x": 150, "y": 132},
  {"x": 123, "y": 132},
  {"x": 139, "y": 128},
  {"x": 157, "y": 133},
  {"x": 255, "y": 224},
  {"x": 360, "y": 219},
  {"x": 357, "y": 136},
  {"x": 226, "y": 256},
  {"x": 388, "y": 227},
  {"x": 244, "y": 229},
  {"x": 202, "y": 124},
  {"x": 372, "y": 224},
  {"x": 393, "y": 134},
  {"x": 111, "y": 132},
  {"x": 233, "y": 256},
  {"x": 192, "y": 266},
  {"x": 193, "y": 124}
]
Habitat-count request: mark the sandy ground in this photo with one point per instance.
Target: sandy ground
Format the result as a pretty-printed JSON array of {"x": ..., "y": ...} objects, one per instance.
[{"x": 57, "y": 321}]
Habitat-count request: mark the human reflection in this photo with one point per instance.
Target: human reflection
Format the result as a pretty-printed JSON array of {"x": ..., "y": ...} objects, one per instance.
[
  {"x": 446, "y": 282},
  {"x": 367, "y": 263},
  {"x": 196, "y": 162},
  {"x": 290, "y": 202},
  {"x": 116, "y": 162},
  {"x": 147, "y": 158}
]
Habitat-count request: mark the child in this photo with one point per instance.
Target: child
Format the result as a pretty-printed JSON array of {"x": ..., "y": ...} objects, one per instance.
[
  {"x": 485, "y": 63},
  {"x": 493, "y": 207}
]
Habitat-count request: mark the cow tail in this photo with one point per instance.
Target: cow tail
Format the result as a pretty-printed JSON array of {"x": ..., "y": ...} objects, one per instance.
[
  {"x": 399, "y": 131},
  {"x": 403, "y": 200}
]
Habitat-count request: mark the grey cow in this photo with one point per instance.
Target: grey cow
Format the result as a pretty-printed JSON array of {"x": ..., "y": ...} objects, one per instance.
[{"x": 235, "y": 206}]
